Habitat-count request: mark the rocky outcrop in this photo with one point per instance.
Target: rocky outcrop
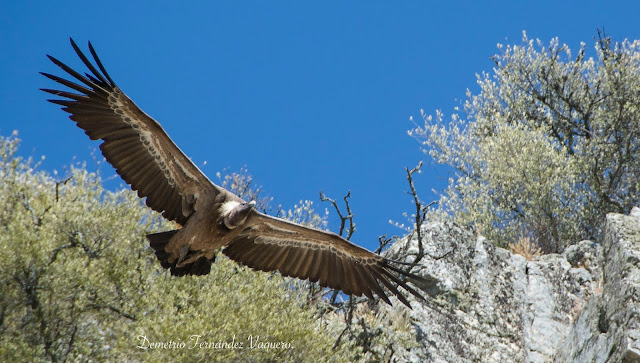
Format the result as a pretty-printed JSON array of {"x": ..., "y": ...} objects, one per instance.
[
  {"x": 487, "y": 304},
  {"x": 608, "y": 328}
]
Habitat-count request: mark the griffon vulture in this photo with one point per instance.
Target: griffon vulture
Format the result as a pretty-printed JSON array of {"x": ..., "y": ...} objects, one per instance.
[{"x": 211, "y": 217}]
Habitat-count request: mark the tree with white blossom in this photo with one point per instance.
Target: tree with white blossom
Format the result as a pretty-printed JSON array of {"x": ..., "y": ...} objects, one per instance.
[
  {"x": 78, "y": 282},
  {"x": 548, "y": 146}
]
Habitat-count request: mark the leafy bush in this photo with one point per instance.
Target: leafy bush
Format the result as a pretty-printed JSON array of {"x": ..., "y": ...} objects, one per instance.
[
  {"x": 80, "y": 282},
  {"x": 548, "y": 146}
]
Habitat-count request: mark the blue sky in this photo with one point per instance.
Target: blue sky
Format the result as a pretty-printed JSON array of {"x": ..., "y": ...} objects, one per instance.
[{"x": 311, "y": 96}]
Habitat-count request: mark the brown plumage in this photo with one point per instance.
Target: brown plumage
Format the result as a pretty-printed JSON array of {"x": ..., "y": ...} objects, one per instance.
[{"x": 212, "y": 218}]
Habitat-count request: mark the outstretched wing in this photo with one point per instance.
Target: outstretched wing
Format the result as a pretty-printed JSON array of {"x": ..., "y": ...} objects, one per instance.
[
  {"x": 267, "y": 243},
  {"x": 133, "y": 142}
]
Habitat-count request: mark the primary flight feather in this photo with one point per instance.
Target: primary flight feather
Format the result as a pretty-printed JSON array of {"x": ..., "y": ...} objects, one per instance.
[{"x": 211, "y": 217}]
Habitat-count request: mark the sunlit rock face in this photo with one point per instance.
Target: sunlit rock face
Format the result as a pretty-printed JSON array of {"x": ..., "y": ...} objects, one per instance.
[{"x": 488, "y": 304}]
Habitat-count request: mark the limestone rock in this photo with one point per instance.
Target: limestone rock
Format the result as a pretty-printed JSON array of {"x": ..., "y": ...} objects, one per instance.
[
  {"x": 608, "y": 329},
  {"x": 487, "y": 304}
]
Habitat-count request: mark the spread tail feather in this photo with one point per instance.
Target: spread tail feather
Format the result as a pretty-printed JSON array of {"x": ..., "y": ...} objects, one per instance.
[{"x": 158, "y": 241}]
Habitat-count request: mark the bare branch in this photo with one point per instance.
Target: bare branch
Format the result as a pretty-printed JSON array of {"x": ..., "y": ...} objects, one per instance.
[
  {"x": 62, "y": 182},
  {"x": 37, "y": 219},
  {"x": 384, "y": 242},
  {"x": 420, "y": 215},
  {"x": 113, "y": 309},
  {"x": 343, "y": 218},
  {"x": 420, "y": 211},
  {"x": 352, "y": 226}
]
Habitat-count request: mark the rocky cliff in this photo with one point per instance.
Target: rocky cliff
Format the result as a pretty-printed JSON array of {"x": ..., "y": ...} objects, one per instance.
[{"x": 487, "y": 304}]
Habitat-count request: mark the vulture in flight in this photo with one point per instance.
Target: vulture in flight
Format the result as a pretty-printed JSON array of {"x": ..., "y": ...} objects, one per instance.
[{"x": 210, "y": 216}]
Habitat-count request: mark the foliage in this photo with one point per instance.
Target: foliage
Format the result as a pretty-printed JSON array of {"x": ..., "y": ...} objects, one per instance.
[
  {"x": 79, "y": 282},
  {"x": 376, "y": 333},
  {"x": 241, "y": 184},
  {"x": 525, "y": 248},
  {"x": 548, "y": 146}
]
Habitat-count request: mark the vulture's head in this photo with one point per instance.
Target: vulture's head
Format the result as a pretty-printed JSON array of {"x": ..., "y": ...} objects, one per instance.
[{"x": 235, "y": 213}]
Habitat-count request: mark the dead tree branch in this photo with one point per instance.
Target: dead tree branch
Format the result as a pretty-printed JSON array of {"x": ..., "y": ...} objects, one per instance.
[
  {"x": 383, "y": 242},
  {"x": 421, "y": 211},
  {"x": 343, "y": 218},
  {"x": 62, "y": 182}
]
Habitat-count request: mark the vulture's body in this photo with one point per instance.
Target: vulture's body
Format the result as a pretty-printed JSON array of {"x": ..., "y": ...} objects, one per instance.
[{"x": 211, "y": 217}]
